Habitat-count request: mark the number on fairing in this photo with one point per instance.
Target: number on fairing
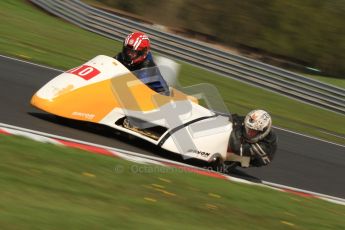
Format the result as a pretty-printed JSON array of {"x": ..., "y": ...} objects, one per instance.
[{"x": 86, "y": 72}]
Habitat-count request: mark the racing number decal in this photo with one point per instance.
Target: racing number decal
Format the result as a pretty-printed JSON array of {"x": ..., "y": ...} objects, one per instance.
[{"x": 86, "y": 72}]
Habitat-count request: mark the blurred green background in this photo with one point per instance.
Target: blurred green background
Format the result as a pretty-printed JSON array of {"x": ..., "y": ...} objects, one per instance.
[
  {"x": 51, "y": 187},
  {"x": 31, "y": 34},
  {"x": 292, "y": 33}
]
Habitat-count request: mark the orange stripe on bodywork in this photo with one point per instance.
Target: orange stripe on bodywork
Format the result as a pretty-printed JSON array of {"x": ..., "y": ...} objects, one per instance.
[
  {"x": 133, "y": 94},
  {"x": 89, "y": 103},
  {"x": 93, "y": 102}
]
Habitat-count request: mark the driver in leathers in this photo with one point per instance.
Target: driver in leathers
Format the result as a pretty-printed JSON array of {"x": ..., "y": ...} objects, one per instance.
[
  {"x": 253, "y": 137},
  {"x": 136, "y": 55}
]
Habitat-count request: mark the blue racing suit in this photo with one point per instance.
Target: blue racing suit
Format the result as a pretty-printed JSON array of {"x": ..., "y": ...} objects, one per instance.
[{"x": 152, "y": 77}]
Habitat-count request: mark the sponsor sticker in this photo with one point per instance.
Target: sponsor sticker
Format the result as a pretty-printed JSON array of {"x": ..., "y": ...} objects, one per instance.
[{"x": 86, "y": 72}]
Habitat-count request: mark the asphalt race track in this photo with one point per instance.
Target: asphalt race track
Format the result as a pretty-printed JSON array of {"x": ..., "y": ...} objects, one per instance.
[{"x": 300, "y": 162}]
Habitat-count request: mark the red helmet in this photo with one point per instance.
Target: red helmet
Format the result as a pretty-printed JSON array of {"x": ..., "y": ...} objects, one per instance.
[{"x": 135, "y": 48}]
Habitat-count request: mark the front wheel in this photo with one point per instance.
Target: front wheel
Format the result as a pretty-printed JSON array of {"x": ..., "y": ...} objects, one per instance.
[
  {"x": 224, "y": 167},
  {"x": 230, "y": 166}
]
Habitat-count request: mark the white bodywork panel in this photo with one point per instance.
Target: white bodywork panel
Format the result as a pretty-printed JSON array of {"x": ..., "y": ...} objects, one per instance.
[
  {"x": 108, "y": 67},
  {"x": 192, "y": 130}
]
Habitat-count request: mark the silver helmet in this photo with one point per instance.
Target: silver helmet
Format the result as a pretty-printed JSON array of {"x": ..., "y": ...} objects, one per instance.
[{"x": 257, "y": 125}]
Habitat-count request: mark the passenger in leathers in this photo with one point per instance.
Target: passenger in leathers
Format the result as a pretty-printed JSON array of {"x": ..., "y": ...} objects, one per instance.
[{"x": 253, "y": 137}]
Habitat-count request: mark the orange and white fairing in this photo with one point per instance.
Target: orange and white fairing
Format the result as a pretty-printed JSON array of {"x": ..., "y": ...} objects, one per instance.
[{"x": 104, "y": 91}]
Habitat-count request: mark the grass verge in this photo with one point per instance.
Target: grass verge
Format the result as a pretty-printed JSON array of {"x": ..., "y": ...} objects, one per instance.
[
  {"x": 52, "y": 187},
  {"x": 28, "y": 33}
]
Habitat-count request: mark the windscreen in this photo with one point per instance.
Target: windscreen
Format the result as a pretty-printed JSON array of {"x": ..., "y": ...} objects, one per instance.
[{"x": 153, "y": 78}]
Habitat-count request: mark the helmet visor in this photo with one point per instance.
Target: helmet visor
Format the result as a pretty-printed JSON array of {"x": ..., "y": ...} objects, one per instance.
[
  {"x": 251, "y": 133},
  {"x": 131, "y": 54}
]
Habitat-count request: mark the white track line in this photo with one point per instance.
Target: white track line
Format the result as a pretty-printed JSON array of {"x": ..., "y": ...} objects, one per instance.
[
  {"x": 315, "y": 138},
  {"x": 319, "y": 195},
  {"x": 31, "y": 63},
  {"x": 34, "y": 135},
  {"x": 300, "y": 134},
  {"x": 93, "y": 144}
]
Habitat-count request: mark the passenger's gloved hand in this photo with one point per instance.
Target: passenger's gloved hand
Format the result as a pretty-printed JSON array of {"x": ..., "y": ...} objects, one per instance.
[{"x": 236, "y": 121}]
